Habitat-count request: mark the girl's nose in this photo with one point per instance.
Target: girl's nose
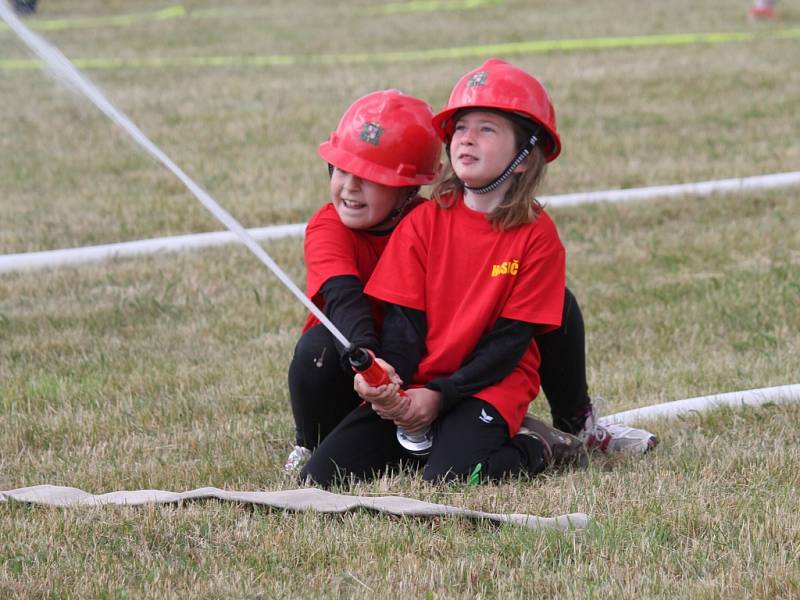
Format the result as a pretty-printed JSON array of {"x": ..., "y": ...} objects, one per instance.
[
  {"x": 466, "y": 136},
  {"x": 352, "y": 182}
]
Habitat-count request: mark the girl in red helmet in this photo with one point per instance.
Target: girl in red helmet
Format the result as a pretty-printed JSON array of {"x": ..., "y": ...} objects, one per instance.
[
  {"x": 382, "y": 151},
  {"x": 500, "y": 88},
  {"x": 468, "y": 281}
]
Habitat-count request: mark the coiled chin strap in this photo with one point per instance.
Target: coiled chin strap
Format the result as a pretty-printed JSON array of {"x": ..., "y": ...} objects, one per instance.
[
  {"x": 395, "y": 213},
  {"x": 521, "y": 155}
]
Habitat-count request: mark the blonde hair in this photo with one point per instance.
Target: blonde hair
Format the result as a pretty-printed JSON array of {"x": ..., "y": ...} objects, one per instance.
[{"x": 519, "y": 205}]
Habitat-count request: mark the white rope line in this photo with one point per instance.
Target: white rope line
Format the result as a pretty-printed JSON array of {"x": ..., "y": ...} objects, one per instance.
[
  {"x": 756, "y": 397},
  {"x": 87, "y": 254},
  {"x": 701, "y": 188}
]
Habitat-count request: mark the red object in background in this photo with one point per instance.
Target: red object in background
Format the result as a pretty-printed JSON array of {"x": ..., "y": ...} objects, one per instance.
[{"x": 762, "y": 12}]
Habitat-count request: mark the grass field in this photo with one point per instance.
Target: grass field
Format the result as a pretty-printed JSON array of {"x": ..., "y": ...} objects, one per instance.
[{"x": 168, "y": 371}]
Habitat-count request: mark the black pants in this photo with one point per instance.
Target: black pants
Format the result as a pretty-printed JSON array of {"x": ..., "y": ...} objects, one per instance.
[
  {"x": 321, "y": 389},
  {"x": 364, "y": 446},
  {"x": 563, "y": 368}
]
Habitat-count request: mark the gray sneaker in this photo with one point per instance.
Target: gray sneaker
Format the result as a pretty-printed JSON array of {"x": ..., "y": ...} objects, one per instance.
[
  {"x": 613, "y": 437},
  {"x": 560, "y": 449},
  {"x": 296, "y": 459}
]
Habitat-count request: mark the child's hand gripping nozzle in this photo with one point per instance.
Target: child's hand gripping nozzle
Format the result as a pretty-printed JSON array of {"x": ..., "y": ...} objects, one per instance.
[{"x": 363, "y": 362}]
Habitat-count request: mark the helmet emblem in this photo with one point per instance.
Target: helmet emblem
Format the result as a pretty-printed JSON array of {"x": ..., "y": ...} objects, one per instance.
[
  {"x": 371, "y": 133},
  {"x": 477, "y": 79}
]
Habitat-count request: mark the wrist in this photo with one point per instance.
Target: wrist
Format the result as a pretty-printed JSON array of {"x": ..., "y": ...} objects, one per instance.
[{"x": 447, "y": 390}]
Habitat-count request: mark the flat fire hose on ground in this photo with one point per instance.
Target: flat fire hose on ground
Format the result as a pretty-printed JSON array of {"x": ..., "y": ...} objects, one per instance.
[
  {"x": 313, "y": 499},
  {"x": 304, "y": 499}
]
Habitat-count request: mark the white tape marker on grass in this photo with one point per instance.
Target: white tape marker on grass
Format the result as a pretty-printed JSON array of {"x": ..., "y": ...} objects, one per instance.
[
  {"x": 776, "y": 395},
  {"x": 75, "y": 256}
]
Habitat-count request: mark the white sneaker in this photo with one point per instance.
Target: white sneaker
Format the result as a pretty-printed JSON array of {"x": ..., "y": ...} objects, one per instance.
[
  {"x": 296, "y": 459},
  {"x": 613, "y": 437}
]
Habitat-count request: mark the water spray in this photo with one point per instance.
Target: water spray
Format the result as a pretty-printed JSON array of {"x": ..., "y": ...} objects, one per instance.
[{"x": 65, "y": 71}]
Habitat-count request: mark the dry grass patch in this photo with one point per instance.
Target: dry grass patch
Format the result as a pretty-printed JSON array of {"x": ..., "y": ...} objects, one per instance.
[{"x": 169, "y": 371}]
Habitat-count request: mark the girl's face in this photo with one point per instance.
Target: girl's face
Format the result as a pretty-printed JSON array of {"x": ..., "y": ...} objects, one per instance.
[
  {"x": 482, "y": 146},
  {"x": 363, "y": 204}
]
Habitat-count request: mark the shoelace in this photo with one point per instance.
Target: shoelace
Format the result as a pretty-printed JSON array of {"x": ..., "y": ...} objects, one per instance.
[{"x": 598, "y": 436}]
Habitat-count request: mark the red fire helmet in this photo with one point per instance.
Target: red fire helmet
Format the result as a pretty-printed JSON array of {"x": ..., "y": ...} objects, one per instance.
[
  {"x": 386, "y": 137},
  {"x": 500, "y": 85}
]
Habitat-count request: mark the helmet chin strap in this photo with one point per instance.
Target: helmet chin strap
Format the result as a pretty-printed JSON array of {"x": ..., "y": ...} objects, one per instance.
[
  {"x": 396, "y": 212},
  {"x": 521, "y": 155}
]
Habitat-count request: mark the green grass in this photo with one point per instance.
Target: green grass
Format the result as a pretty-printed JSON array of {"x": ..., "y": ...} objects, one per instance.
[{"x": 168, "y": 371}]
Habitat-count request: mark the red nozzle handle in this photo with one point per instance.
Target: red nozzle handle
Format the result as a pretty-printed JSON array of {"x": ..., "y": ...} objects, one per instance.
[{"x": 363, "y": 361}]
